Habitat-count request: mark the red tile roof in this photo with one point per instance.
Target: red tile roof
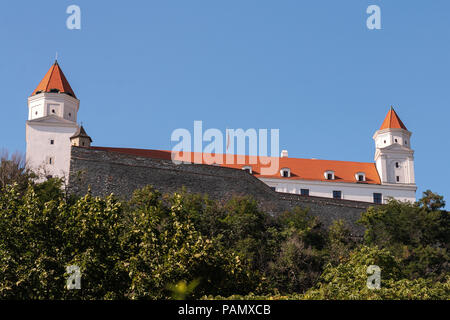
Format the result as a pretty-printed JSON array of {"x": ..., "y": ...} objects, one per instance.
[
  {"x": 301, "y": 169},
  {"x": 54, "y": 79},
  {"x": 392, "y": 121}
]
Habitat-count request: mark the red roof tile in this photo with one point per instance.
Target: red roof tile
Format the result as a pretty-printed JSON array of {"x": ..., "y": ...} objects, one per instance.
[
  {"x": 392, "y": 121},
  {"x": 54, "y": 79}
]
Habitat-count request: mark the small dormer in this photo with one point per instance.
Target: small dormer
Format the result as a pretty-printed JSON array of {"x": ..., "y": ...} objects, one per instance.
[
  {"x": 285, "y": 172},
  {"x": 329, "y": 175},
  {"x": 248, "y": 169},
  {"x": 360, "y": 177}
]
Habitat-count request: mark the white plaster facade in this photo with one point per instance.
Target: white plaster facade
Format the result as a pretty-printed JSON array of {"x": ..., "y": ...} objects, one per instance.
[
  {"x": 349, "y": 191},
  {"x": 51, "y": 122},
  {"x": 394, "y": 161}
]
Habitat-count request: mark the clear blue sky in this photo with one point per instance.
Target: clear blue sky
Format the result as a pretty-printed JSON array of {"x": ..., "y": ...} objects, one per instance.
[{"x": 310, "y": 68}]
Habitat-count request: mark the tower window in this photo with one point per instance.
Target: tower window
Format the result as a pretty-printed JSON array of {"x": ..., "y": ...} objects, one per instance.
[
  {"x": 70, "y": 114},
  {"x": 53, "y": 110},
  {"x": 35, "y": 113},
  {"x": 52, "y": 141},
  {"x": 397, "y": 165},
  {"x": 385, "y": 141},
  {"x": 304, "y": 192},
  {"x": 337, "y": 194},
  {"x": 377, "y": 198},
  {"x": 406, "y": 142},
  {"x": 54, "y": 90},
  {"x": 51, "y": 160},
  {"x": 398, "y": 178},
  {"x": 396, "y": 140}
]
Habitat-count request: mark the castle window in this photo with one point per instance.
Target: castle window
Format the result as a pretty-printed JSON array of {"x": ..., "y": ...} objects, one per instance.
[
  {"x": 337, "y": 194},
  {"x": 52, "y": 141},
  {"x": 377, "y": 198},
  {"x": 398, "y": 178},
  {"x": 406, "y": 142},
  {"x": 248, "y": 169},
  {"x": 50, "y": 160},
  {"x": 70, "y": 114},
  {"x": 285, "y": 172},
  {"x": 395, "y": 140},
  {"x": 384, "y": 141},
  {"x": 304, "y": 192},
  {"x": 53, "y": 110},
  {"x": 273, "y": 188},
  {"x": 397, "y": 165},
  {"x": 54, "y": 90},
  {"x": 82, "y": 144},
  {"x": 329, "y": 175},
  {"x": 35, "y": 113},
  {"x": 360, "y": 176}
]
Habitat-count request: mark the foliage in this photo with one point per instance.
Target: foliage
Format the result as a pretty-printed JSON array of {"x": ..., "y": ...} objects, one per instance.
[{"x": 181, "y": 245}]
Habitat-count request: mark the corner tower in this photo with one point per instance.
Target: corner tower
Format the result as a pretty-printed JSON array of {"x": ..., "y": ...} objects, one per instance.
[
  {"x": 52, "y": 121},
  {"x": 393, "y": 154}
]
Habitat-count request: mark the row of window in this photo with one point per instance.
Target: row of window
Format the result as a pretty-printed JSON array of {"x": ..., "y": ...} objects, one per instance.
[
  {"x": 328, "y": 175},
  {"x": 337, "y": 194}
]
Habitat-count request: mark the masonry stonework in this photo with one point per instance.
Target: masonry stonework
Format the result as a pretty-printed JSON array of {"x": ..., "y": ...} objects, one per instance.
[{"x": 110, "y": 172}]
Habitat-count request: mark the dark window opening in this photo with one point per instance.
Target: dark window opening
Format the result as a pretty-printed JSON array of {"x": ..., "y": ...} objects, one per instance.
[
  {"x": 384, "y": 141},
  {"x": 40, "y": 91},
  {"x": 398, "y": 178},
  {"x": 397, "y": 165},
  {"x": 273, "y": 188},
  {"x": 406, "y": 142},
  {"x": 83, "y": 146},
  {"x": 396, "y": 140},
  {"x": 329, "y": 176},
  {"x": 285, "y": 173},
  {"x": 337, "y": 194},
  {"x": 52, "y": 141},
  {"x": 35, "y": 113},
  {"x": 53, "y": 110},
  {"x": 70, "y": 114},
  {"x": 377, "y": 198},
  {"x": 360, "y": 177},
  {"x": 304, "y": 192},
  {"x": 54, "y": 90}
]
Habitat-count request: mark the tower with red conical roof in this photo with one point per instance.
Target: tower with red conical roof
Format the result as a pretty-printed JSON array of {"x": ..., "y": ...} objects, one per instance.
[
  {"x": 52, "y": 121},
  {"x": 393, "y": 156}
]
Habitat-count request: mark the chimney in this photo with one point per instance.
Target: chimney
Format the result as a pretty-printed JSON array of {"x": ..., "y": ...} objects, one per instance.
[{"x": 284, "y": 153}]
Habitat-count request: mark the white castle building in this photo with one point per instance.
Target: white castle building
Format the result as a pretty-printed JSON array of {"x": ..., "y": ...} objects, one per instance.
[{"x": 52, "y": 128}]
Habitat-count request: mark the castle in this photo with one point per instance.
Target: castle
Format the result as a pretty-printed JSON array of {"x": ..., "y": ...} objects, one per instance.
[{"x": 54, "y": 138}]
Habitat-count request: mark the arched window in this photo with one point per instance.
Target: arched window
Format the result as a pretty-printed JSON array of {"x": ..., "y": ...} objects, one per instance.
[
  {"x": 360, "y": 176},
  {"x": 329, "y": 175},
  {"x": 285, "y": 172}
]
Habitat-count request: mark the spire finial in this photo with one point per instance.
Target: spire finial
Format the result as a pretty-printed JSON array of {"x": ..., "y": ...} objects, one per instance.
[{"x": 56, "y": 57}]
